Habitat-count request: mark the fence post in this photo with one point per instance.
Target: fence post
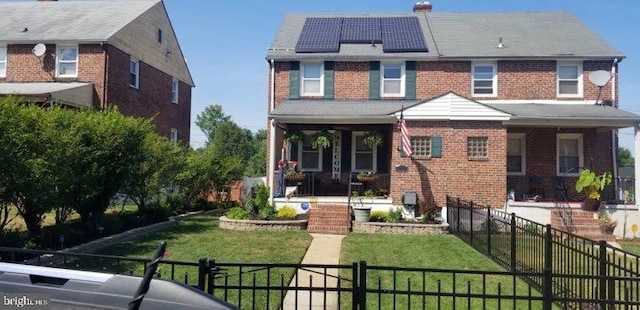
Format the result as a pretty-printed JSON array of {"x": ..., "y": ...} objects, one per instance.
[
  {"x": 471, "y": 223},
  {"x": 362, "y": 283},
  {"x": 602, "y": 273},
  {"x": 489, "y": 232},
  {"x": 355, "y": 287},
  {"x": 547, "y": 294},
  {"x": 458, "y": 216},
  {"x": 514, "y": 247},
  {"x": 202, "y": 272},
  {"x": 210, "y": 275}
]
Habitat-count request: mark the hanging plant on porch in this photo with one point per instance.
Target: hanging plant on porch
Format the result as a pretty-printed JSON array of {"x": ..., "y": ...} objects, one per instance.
[
  {"x": 321, "y": 139},
  {"x": 293, "y": 136},
  {"x": 373, "y": 139}
]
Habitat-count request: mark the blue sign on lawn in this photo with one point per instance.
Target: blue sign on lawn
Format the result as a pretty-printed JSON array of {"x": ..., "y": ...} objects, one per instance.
[{"x": 304, "y": 206}]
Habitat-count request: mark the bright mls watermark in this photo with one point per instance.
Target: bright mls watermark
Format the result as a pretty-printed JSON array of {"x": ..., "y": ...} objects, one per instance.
[{"x": 25, "y": 301}]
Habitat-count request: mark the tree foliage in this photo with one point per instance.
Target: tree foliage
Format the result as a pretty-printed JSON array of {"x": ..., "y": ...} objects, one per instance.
[
  {"x": 625, "y": 159},
  {"x": 209, "y": 119}
]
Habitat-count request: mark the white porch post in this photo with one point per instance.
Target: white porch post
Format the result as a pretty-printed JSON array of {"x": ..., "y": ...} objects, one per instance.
[
  {"x": 636, "y": 160},
  {"x": 272, "y": 156}
]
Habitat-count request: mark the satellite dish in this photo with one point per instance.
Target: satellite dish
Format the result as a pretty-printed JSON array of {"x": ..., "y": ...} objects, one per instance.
[
  {"x": 39, "y": 49},
  {"x": 600, "y": 78}
]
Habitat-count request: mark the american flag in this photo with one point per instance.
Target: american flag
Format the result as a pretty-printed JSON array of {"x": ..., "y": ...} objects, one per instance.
[{"x": 405, "y": 148}]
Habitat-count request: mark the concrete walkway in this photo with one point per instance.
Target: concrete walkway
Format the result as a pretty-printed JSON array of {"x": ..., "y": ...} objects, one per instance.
[{"x": 324, "y": 249}]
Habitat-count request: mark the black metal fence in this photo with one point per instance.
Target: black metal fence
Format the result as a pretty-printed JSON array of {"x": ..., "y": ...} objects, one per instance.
[{"x": 575, "y": 269}]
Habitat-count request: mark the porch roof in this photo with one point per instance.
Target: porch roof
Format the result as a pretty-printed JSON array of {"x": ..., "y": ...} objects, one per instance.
[
  {"x": 340, "y": 111},
  {"x": 566, "y": 115}
]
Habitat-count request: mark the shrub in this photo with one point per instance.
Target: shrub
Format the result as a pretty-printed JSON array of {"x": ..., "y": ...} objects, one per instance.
[
  {"x": 429, "y": 209},
  {"x": 286, "y": 213},
  {"x": 490, "y": 223},
  {"x": 378, "y": 216},
  {"x": 395, "y": 216},
  {"x": 369, "y": 193},
  {"x": 532, "y": 228},
  {"x": 237, "y": 213},
  {"x": 267, "y": 212}
]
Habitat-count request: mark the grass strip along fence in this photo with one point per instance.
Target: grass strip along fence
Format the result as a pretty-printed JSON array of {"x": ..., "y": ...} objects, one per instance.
[{"x": 575, "y": 271}]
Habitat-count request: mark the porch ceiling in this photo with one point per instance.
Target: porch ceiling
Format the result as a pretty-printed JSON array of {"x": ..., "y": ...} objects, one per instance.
[
  {"x": 339, "y": 111},
  {"x": 566, "y": 115}
]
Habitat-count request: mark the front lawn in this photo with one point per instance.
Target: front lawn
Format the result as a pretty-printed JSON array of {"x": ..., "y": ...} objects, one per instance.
[
  {"x": 436, "y": 252},
  {"x": 631, "y": 246}
]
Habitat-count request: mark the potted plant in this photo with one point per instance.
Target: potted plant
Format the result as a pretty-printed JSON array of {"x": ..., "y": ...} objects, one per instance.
[
  {"x": 592, "y": 185},
  {"x": 293, "y": 175},
  {"x": 373, "y": 139},
  {"x": 361, "y": 213},
  {"x": 321, "y": 139},
  {"x": 606, "y": 224},
  {"x": 367, "y": 176},
  {"x": 293, "y": 136}
]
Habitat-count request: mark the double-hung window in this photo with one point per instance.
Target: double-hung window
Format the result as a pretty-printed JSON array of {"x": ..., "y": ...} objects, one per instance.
[
  {"x": 516, "y": 160},
  {"x": 363, "y": 158},
  {"x": 484, "y": 80},
  {"x": 312, "y": 79},
  {"x": 175, "y": 86},
  {"x": 67, "y": 61},
  {"x": 569, "y": 77},
  {"x": 174, "y": 136},
  {"x": 392, "y": 80},
  {"x": 310, "y": 159},
  {"x": 134, "y": 73},
  {"x": 569, "y": 154},
  {"x": 3, "y": 61}
]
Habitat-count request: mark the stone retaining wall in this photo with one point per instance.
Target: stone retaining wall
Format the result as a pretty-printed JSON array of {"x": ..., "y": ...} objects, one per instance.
[
  {"x": 250, "y": 225},
  {"x": 401, "y": 228}
]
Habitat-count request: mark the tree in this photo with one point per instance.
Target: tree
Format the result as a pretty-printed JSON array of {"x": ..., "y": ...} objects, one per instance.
[
  {"x": 257, "y": 165},
  {"x": 209, "y": 119},
  {"x": 624, "y": 158},
  {"x": 229, "y": 140}
]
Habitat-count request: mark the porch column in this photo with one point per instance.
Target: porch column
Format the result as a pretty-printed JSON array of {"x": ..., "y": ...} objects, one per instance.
[
  {"x": 636, "y": 161},
  {"x": 272, "y": 157}
]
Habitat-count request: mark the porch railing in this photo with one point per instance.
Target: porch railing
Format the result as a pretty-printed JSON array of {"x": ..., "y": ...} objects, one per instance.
[{"x": 581, "y": 268}]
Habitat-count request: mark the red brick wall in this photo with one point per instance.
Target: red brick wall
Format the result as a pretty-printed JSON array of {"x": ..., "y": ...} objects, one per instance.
[
  {"x": 152, "y": 98},
  {"x": 351, "y": 80},
  {"x": 484, "y": 182}
]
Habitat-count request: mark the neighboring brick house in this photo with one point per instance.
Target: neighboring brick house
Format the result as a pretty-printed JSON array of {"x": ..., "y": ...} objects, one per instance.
[
  {"x": 95, "y": 54},
  {"x": 492, "y": 101}
]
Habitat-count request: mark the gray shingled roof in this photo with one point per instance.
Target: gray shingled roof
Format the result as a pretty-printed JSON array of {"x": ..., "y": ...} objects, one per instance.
[
  {"x": 468, "y": 35},
  {"x": 346, "y": 109},
  {"x": 49, "y": 21},
  {"x": 584, "y": 112}
]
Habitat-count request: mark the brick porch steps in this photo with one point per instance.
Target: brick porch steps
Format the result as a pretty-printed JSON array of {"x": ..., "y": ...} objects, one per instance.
[
  {"x": 329, "y": 219},
  {"x": 584, "y": 224}
]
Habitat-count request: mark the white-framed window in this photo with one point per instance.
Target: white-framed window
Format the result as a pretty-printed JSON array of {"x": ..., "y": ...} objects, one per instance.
[
  {"x": 312, "y": 75},
  {"x": 516, "y": 154},
  {"x": 175, "y": 87},
  {"x": 569, "y": 77},
  {"x": 174, "y": 136},
  {"x": 484, "y": 79},
  {"x": 363, "y": 158},
  {"x": 134, "y": 73},
  {"x": 392, "y": 80},
  {"x": 67, "y": 61},
  {"x": 569, "y": 154},
  {"x": 309, "y": 159},
  {"x": 3, "y": 61},
  {"x": 421, "y": 147},
  {"x": 478, "y": 148}
]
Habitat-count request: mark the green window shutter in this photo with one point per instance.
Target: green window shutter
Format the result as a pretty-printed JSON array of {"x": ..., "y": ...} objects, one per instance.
[
  {"x": 329, "y": 67},
  {"x": 374, "y": 80},
  {"x": 294, "y": 80},
  {"x": 436, "y": 146},
  {"x": 410, "y": 80}
]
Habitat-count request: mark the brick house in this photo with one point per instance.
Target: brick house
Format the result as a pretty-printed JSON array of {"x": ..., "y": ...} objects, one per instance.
[
  {"x": 493, "y": 102},
  {"x": 95, "y": 54}
]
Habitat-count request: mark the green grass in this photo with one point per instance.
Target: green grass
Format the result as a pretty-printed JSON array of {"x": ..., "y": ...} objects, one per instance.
[
  {"x": 631, "y": 246},
  {"x": 49, "y": 218},
  {"x": 200, "y": 236},
  {"x": 437, "y": 252}
]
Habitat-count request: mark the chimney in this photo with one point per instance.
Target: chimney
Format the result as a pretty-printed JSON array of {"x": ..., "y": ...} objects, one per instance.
[{"x": 422, "y": 7}]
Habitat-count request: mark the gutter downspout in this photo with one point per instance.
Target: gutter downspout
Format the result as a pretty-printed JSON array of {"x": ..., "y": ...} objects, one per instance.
[
  {"x": 272, "y": 129},
  {"x": 614, "y": 133}
]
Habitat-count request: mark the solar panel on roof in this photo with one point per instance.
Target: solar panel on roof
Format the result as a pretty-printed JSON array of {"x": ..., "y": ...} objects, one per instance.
[
  {"x": 320, "y": 35},
  {"x": 361, "y": 30},
  {"x": 402, "y": 34}
]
